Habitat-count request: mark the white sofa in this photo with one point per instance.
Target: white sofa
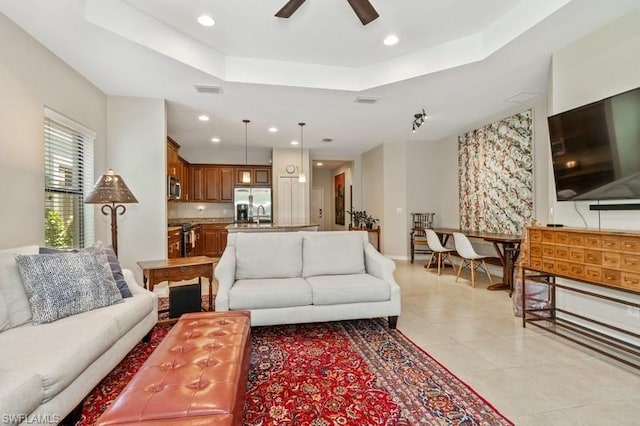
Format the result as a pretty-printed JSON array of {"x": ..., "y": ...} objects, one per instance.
[
  {"x": 47, "y": 370},
  {"x": 299, "y": 277}
]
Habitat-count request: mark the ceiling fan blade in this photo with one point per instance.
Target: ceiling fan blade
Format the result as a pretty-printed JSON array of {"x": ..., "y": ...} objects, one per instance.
[
  {"x": 364, "y": 10},
  {"x": 289, "y": 8}
]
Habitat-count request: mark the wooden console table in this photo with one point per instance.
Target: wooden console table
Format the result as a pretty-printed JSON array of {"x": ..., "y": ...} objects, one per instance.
[
  {"x": 375, "y": 231},
  {"x": 599, "y": 259},
  {"x": 179, "y": 269}
]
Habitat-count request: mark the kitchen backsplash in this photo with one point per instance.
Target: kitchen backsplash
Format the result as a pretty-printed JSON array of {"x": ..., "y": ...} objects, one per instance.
[{"x": 194, "y": 210}]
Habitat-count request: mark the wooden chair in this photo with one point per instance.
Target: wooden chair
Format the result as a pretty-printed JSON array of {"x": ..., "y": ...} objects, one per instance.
[{"x": 418, "y": 239}]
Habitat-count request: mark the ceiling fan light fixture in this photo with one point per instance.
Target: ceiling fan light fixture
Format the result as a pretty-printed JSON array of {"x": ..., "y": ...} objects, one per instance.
[{"x": 418, "y": 120}]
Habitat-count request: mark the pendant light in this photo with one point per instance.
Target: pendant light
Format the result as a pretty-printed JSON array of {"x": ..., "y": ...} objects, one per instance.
[
  {"x": 246, "y": 175},
  {"x": 302, "y": 178}
]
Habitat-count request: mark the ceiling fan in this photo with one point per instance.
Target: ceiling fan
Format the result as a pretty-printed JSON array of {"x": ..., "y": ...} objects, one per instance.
[{"x": 362, "y": 8}]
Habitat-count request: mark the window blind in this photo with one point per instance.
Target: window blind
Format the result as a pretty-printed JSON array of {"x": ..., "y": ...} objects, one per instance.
[{"x": 68, "y": 171}]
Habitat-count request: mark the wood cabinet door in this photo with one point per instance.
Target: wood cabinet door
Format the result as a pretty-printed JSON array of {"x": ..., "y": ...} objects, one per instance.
[
  {"x": 222, "y": 241},
  {"x": 196, "y": 183},
  {"x": 240, "y": 172},
  {"x": 211, "y": 240},
  {"x": 262, "y": 175},
  {"x": 226, "y": 184},
  {"x": 211, "y": 178}
]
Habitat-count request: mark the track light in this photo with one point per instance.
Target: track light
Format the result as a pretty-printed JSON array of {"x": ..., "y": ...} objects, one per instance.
[{"x": 418, "y": 120}]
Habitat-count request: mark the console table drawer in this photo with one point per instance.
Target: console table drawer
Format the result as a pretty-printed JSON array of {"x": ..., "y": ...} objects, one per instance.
[
  {"x": 536, "y": 250},
  {"x": 629, "y": 280},
  {"x": 630, "y": 262},
  {"x": 576, "y": 240},
  {"x": 576, "y": 270},
  {"x": 576, "y": 254},
  {"x": 562, "y": 268},
  {"x": 536, "y": 262},
  {"x": 611, "y": 277},
  {"x": 548, "y": 250},
  {"x": 610, "y": 242},
  {"x": 593, "y": 257},
  {"x": 536, "y": 235},
  {"x": 562, "y": 253},
  {"x": 593, "y": 273},
  {"x": 630, "y": 244},
  {"x": 591, "y": 240},
  {"x": 611, "y": 260},
  {"x": 548, "y": 265}
]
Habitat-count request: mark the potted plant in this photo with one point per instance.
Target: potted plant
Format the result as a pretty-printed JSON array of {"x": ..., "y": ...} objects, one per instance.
[
  {"x": 357, "y": 218},
  {"x": 369, "y": 221}
]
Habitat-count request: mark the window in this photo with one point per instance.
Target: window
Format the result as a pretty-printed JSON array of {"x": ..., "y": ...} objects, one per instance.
[{"x": 68, "y": 174}]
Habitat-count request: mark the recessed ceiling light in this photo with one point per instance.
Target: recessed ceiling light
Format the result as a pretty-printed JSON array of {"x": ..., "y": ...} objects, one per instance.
[
  {"x": 206, "y": 21},
  {"x": 203, "y": 117},
  {"x": 319, "y": 164},
  {"x": 273, "y": 129},
  {"x": 390, "y": 40},
  {"x": 215, "y": 140},
  {"x": 294, "y": 142}
]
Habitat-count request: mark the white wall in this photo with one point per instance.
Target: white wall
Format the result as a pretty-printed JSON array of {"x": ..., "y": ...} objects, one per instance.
[
  {"x": 373, "y": 189},
  {"x": 137, "y": 152},
  {"x": 31, "y": 77},
  {"x": 394, "y": 232},
  {"x": 604, "y": 63},
  {"x": 220, "y": 154},
  {"x": 323, "y": 178}
]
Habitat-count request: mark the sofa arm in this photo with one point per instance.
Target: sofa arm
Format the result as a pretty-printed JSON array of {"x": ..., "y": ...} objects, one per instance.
[
  {"x": 134, "y": 285},
  {"x": 378, "y": 265},
  {"x": 225, "y": 273}
]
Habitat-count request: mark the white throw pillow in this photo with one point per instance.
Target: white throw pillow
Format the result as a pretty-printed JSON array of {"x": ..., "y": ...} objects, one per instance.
[
  {"x": 13, "y": 292},
  {"x": 268, "y": 255},
  {"x": 332, "y": 254}
]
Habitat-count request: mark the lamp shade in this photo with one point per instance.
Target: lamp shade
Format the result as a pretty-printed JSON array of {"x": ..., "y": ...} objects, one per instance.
[{"x": 110, "y": 188}]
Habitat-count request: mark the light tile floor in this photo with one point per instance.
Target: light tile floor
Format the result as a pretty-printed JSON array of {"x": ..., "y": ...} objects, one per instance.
[{"x": 532, "y": 377}]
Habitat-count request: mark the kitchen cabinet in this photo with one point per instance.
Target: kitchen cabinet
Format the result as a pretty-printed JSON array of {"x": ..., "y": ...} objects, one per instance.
[
  {"x": 211, "y": 183},
  {"x": 199, "y": 242},
  {"x": 291, "y": 201},
  {"x": 260, "y": 175},
  {"x": 214, "y": 237},
  {"x": 172, "y": 158},
  {"x": 174, "y": 240}
]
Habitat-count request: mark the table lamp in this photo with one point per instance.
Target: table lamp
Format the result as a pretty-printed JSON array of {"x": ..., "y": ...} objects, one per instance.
[{"x": 111, "y": 191}]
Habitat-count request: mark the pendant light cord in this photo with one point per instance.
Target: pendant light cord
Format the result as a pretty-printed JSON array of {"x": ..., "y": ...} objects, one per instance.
[
  {"x": 246, "y": 146},
  {"x": 301, "y": 148}
]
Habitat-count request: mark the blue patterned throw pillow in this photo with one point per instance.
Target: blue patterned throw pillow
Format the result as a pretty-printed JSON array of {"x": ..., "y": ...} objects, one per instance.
[{"x": 61, "y": 285}]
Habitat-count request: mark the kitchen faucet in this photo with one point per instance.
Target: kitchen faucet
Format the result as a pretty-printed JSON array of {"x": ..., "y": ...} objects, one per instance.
[{"x": 264, "y": 212}]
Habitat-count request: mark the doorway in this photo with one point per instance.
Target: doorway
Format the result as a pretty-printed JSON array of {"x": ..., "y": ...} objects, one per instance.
[{"x": 317, "y": 207}]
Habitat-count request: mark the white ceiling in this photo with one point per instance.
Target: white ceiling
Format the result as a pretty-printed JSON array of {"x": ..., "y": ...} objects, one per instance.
[{"x": 459, "y": 60}]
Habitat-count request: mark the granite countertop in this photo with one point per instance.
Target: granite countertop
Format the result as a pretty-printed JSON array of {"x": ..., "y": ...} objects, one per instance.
[
  {"x": 199, "y": 220},
  {"x": 265, "y": 227},
  {"x": 173, "y": 228}
]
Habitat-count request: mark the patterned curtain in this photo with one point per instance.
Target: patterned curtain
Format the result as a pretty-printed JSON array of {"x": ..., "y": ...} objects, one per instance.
[{"x": 496, "y": 175}]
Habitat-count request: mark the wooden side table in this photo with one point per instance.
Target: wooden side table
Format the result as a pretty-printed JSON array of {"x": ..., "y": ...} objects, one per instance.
[{"x": 179, "y": 269}]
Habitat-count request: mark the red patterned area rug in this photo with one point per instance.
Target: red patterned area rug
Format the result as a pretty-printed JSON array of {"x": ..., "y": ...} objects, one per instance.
[{"x": 339, "y": 373}]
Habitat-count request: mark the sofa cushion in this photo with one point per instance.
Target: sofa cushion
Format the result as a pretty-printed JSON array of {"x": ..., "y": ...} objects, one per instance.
[
  {"x": 269, "y": 293},
  {"x": 332, "y": 254},
  {"x": 130, "y": 312},
  {"x": 4, "y": 314},
  {"x": 268, "y": 255},
  {"x": 60, "y": 351},
  {"x": 11, "y": 286},
  {"x": 20, "y": 393},
  {"x": 60, "y": 285},
  {"x": 354, "y": 288}
]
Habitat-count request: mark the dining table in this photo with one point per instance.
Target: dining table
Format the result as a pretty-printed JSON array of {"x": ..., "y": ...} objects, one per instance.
[{"x": 507, "y": 247}]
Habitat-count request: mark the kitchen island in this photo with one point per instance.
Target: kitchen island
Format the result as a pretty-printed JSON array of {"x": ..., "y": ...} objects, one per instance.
[{"x": 271, "y": 227}]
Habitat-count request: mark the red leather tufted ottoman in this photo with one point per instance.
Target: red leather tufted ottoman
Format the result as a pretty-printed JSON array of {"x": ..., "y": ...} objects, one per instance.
[{"x": 197, "y": 375}]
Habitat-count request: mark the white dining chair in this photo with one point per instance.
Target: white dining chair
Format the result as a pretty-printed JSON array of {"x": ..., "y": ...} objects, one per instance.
[
  {"x": 469, "y": 257},
  {"x": 438, "y": 251}
]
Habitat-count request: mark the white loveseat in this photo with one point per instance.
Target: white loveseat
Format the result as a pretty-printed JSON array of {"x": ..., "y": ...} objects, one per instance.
[
  {"x": 46, "y": 370},
  {"x": 298, "y": 277}
]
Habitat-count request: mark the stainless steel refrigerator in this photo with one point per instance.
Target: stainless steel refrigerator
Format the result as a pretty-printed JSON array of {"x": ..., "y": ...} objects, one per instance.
[{"x": 254, "y": 197}]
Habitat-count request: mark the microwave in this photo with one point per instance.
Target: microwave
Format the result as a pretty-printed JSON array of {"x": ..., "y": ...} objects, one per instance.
[{"x": 174, "y": 191}]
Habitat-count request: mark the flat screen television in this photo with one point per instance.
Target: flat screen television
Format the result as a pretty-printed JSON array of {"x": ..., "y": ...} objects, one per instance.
[{"x": 595, "y": 149}]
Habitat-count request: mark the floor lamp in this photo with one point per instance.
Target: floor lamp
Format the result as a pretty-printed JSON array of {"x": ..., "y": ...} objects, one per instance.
[{"x": 111, "y": 191}]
